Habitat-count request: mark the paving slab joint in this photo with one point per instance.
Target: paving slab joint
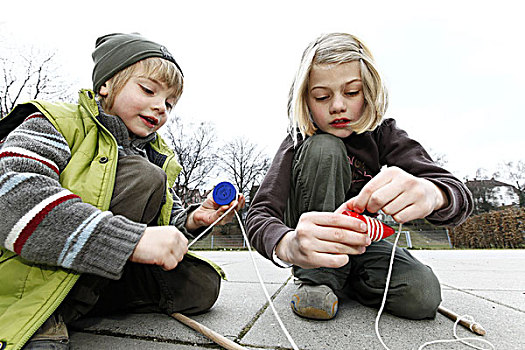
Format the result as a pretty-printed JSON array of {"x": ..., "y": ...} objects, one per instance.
[
  {"x": 482, "y": 297},
  {"x": 149, "y": 338},
  {"x": 258, "y": 314}
]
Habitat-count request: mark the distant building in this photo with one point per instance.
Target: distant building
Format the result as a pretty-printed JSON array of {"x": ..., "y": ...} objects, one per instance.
[
  {"x": 196, "y": 195},
  {"x": 191, "y": 196},
  {"x": 492, "y": 194}
]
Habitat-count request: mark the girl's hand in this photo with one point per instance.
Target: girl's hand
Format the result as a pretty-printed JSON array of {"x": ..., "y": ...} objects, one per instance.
[
  {"x": 160, "y": 245},
  {"x": 209, "y": 211},
  {"x": 399, "y": 194},
  {"x": 323, "y": 240}
]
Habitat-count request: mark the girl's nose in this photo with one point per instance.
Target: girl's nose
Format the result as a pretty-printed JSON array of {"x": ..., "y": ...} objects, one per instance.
[{"x": 337, "y": 105}]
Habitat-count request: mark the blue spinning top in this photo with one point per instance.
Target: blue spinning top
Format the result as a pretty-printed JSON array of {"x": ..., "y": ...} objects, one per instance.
[{"x": 224, "y": 193}]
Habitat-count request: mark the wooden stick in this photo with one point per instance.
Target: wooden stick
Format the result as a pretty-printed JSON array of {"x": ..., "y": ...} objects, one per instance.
[
  {"x": 471, "y": 325},
  {"x": 208, "y": 333}
]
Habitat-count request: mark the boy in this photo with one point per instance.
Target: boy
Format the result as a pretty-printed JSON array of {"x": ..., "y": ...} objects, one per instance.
[{"x": 90, "y": 223}]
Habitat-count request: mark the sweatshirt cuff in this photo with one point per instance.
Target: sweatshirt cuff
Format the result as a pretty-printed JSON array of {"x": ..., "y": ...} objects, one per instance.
[
  {"x": 279, "y": 262},
  {"x": 274, "y": 242},
  {"x": 179, "y": 221},
  {"x": 455, "y": 212},
  {"x": 110, "y": 250}
]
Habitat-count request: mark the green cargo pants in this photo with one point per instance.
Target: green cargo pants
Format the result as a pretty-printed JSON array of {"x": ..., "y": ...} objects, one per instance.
[
  {"x": 322, "y": 181},
  {"x": 192, "y": 287}
]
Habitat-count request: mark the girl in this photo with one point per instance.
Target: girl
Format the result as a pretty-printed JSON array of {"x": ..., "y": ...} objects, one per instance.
[{"x": 341, "y": 155}]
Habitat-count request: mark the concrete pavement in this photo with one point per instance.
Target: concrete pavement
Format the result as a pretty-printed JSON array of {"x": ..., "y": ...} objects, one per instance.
[{"x": 488, "y": 285}]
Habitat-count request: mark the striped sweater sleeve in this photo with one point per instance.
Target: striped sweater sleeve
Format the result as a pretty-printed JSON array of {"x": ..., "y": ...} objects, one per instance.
[{"x": 45, "y": 223}]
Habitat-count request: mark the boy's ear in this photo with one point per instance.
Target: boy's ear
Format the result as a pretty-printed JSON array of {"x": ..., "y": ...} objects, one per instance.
[{"x": 104, "y": 90}]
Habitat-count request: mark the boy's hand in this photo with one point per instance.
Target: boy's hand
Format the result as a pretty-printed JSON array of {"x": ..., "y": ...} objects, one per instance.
[
  {"x": 160, "y": 245},
  {"x": 209, "y": 211},
  {"x": 323, "y": 240},
  {"x": 399, "y": 194}
]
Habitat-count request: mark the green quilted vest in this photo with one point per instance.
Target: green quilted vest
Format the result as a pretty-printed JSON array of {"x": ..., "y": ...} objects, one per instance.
[{"x": 30, "y": 293}]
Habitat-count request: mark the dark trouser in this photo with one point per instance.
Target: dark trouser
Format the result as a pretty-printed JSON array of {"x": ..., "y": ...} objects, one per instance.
[
  {"x": 192, "y": 287},
  {"x": 321, "y": 179}
]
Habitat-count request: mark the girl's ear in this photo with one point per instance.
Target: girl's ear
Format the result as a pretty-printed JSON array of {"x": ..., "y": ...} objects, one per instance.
[{"x": 104, "y": 89}]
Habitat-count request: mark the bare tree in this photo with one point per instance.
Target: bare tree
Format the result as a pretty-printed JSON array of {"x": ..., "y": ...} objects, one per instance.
[
  {"x": 438, "y": 158},
  {"x": 244, "y": 163},
  {"x": 194, "y": 146},
  {"x": 514, "y": 172},
  {"x": 30, "y": 73}
]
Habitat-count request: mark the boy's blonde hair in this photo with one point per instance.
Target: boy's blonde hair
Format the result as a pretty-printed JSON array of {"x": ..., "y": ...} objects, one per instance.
[
  {"x": 337, "y": 48},
  {"x": 155, "y": 68}
]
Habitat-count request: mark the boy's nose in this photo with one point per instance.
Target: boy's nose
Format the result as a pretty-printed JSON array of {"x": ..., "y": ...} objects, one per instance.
[{"x": 159, "y": 106}]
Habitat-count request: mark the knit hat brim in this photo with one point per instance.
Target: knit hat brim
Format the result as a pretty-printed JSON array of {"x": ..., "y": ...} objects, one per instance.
[{"x": 114, "y": 52}]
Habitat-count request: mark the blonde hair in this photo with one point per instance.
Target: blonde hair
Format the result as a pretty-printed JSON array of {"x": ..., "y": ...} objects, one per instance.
[
  {"x": 337, "y": 48},
  {"x": 155, "y": 68}
]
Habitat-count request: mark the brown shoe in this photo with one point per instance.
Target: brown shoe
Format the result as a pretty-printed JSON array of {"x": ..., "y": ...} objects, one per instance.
[{"x": 317, "y": 302}]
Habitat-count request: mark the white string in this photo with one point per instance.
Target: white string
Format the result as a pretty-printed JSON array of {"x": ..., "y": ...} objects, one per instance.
[
  {"x": 286, "y": 333},
  {"x": 288, "y": 336},
  {"x": 389, "y": 274},
  {"x": 462, "y": 340},
  {"x": 211, "y": 226},
  {"x": 465, "y": 317},
  {"x": 383, "y": 302}
]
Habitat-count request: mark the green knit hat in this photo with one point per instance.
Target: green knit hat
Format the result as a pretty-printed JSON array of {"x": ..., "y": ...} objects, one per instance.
[{"x": 114, "y": 52}]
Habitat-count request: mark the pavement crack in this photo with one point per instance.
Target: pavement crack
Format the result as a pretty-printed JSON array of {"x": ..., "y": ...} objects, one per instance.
[
  {"x": 259, "y": 313},
  {"x": 482, "y": 297},
  {"x": 155, "y": 339},
  {"x": 251, "y": 282}
]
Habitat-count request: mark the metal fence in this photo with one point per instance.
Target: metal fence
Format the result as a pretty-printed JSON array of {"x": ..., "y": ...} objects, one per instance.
[
  {"x": 435, "y": 239},
  {"x": 219, "y": 241}
]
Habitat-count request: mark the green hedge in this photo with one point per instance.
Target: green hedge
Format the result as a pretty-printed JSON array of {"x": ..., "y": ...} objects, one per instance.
[{"x": 494, "y": 229}]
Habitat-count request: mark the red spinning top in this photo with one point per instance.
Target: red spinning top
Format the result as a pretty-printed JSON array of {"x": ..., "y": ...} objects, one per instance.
[{"x": 376, "y": 229}]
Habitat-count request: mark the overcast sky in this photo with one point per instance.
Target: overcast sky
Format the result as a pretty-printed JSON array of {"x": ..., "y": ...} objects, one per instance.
[{"x": 454, "y": 69}]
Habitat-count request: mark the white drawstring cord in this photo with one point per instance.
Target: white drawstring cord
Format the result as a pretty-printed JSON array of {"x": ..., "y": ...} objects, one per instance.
[
  {"x": 462, "y": 340},
  {"x": 245, "y": 237},
  {"x": 285, "y": 331},
  {"x": 211, "y": 226},
  {"x": 389, "y": 275}
]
